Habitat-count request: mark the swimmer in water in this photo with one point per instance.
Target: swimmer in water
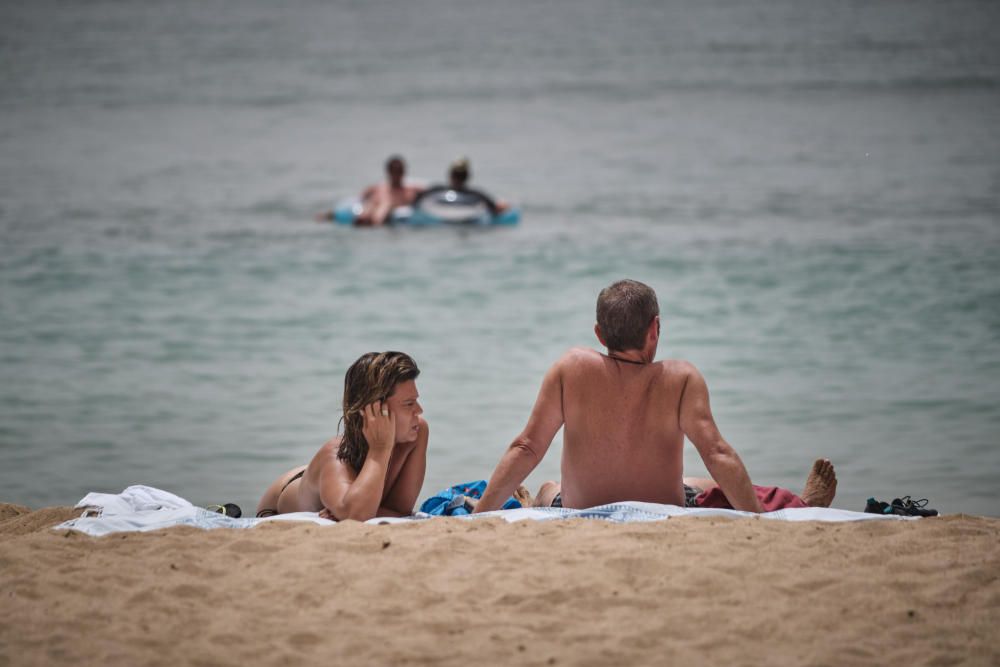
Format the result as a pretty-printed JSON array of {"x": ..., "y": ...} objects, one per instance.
[
  {"x": 458, "y": 179},
  {"x": 379, "y": 200}
]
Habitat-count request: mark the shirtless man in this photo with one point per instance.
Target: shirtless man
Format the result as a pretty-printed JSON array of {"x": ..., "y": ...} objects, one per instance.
[
  {"x": 376, "y": 468},
  {"x": 379, "y": 200},
  {"x": 625, "y": 419}
]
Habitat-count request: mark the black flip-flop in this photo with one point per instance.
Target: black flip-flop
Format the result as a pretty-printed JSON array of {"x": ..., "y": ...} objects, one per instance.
[
  {"x": 231, "y": 510},
  {"x": 906, "y": 506}
]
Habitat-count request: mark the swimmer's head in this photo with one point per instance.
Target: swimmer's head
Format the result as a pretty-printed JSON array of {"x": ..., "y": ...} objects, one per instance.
[
  {"x": 395, "y": 168},
  {"x": 624, "y": 312},
  {"x": 375, "y": 376},
  {"x": 458, "y": 172}
]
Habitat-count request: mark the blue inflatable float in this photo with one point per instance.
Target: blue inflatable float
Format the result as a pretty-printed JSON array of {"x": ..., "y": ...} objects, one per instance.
[{"x": 438, "y": 206}]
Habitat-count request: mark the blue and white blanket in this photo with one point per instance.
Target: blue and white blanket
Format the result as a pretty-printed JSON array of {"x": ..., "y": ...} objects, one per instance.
[{"x": 141, "y": 508}]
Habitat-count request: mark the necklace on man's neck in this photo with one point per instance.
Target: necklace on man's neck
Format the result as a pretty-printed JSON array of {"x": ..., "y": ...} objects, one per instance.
[{"x": 627, "y": 361}]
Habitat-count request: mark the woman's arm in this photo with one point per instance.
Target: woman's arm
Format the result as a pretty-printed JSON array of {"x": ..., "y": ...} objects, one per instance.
[
  {"x": 406, "y": 487},
  {"x": 350, "y": 496}
]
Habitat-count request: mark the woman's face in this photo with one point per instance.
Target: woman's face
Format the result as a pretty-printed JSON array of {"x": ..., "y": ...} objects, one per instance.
[{"x": 404, "y": 405}]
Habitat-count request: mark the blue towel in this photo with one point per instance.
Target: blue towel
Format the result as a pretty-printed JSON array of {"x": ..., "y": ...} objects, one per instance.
[{"x": 449, "y": 502}]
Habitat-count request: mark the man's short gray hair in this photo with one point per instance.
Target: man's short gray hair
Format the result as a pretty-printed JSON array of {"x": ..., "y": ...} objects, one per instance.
[{"x": 624, "y": 311}]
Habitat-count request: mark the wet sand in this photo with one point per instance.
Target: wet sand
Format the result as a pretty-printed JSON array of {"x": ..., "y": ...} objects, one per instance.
[{"x": 452, "y": 592}]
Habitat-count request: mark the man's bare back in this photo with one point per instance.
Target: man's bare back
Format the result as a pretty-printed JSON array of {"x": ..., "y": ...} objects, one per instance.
[{"x": 622, "y": 437}]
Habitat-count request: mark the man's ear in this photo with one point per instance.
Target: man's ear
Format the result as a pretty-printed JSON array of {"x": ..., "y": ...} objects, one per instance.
[
  {"x": 597, "y": 332},
  {"x": 654, "y": 329}
]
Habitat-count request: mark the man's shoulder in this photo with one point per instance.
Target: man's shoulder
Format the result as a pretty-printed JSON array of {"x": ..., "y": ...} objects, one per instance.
[
  {"x": 586, "y": 360},
  {"x": 677, "y": 370},
  {"x": 586, "y": 355},
  {"x": 677, "y": 366},
  {"x": 576, "y": 356},
  {"x": 574, "y": 361}
]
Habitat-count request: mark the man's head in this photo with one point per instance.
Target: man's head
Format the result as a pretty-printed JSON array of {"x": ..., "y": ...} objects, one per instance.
[
  {"x": 458, "y": 173},
  {"x": 378, "y": 376},
  {"x": 625, "y": 312},
  {"x": 395, "y": 169}
]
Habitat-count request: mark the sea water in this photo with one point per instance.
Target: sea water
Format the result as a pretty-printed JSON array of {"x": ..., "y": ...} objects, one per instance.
[{"x": 812, "y": 188}]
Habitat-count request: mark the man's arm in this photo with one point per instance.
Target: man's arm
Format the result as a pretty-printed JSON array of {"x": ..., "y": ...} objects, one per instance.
[
  {"x": 369, "y": 202},
  {"x": 722, "y": 461},
  {"x": 413, "y": 192},
  {"x": 528, "y": 448},
  {"x": 403, "y": 494},
  {"x": 347, "y": 496}
]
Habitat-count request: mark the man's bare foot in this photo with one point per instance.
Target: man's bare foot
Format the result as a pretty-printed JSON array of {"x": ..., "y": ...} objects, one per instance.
[
  {"x": 523, "y": 496},
  {"x": 821, "y": 484}
]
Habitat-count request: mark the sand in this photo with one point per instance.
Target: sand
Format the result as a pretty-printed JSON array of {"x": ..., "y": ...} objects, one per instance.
[{"x": 451, "y": 592}]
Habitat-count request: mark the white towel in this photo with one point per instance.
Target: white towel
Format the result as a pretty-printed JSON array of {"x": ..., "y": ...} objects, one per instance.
[{"x": 133, "y": 499}]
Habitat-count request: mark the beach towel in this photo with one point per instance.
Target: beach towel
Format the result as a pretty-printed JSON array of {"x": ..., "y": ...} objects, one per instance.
[
  {"x": 771, "y": 498},
  {"x": 144, "y": 508},
  {"x": 450, "y": 501}
]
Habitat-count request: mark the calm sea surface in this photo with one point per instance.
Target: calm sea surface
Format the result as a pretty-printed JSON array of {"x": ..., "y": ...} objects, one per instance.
[{"x": 812, "y": 187}]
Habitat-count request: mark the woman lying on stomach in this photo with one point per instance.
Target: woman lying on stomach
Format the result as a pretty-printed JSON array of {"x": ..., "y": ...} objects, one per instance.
[{"x": 376, "y": 468}]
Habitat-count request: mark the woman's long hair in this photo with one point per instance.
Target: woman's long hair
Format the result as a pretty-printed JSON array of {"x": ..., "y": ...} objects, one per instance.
[{"x": 373, "y": 377}]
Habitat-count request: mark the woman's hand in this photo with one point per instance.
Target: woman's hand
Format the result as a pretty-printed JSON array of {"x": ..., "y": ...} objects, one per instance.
[{"x": 380, "y": 427}]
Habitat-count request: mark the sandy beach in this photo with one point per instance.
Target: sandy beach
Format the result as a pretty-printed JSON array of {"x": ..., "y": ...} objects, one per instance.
[{"x": 447, "y": 591}]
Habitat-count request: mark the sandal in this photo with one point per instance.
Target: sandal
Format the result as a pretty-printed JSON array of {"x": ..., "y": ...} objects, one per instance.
[
  {"x": 876, "y": 507},
  {"x": 231, "y": 510},
  {"x": 906, "y": 506}
]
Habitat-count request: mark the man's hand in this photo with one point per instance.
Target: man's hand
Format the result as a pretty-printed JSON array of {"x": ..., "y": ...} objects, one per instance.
[{"x": 380, "y": 427}]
